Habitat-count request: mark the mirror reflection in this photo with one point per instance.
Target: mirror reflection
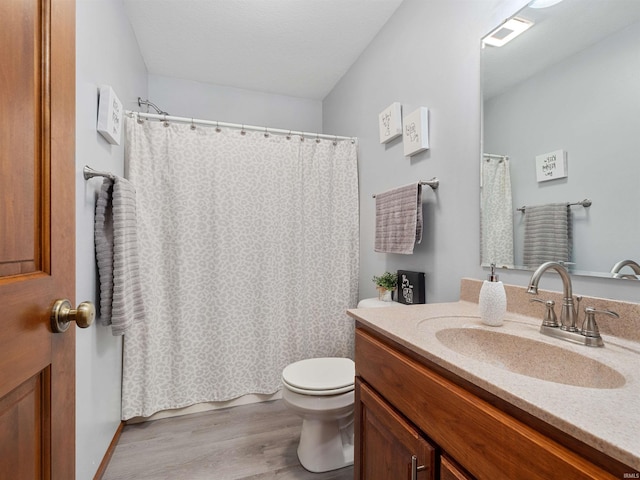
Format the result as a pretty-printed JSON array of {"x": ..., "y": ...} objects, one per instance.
[{"x": 561, "y": 125}]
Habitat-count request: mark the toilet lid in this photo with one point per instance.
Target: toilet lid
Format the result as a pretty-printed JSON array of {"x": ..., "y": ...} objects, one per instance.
[{"x": 320, "y": 374}]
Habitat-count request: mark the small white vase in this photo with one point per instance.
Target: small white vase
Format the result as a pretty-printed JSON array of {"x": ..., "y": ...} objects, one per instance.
[{"x": 384, "y": 295}]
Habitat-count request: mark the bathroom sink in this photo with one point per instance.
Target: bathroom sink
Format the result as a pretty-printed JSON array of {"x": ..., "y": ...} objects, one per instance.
[{"x": 530, "y": 357}]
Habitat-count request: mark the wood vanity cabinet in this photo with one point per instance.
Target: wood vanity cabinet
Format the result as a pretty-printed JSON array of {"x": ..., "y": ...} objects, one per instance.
[
  {"x": 388, "y": 442},
  {"x": 405, "y": 408}
]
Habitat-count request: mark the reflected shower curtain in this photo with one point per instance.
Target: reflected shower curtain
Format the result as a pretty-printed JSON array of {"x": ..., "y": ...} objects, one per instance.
[
  {"x": 496, "y": 219},
  {"x": 249, "y": 257}
]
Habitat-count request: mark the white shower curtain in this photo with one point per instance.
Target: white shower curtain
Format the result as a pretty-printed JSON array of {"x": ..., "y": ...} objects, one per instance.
[
  {"x": 249, "y": 258},
  {"x": 496, "y": 213}
]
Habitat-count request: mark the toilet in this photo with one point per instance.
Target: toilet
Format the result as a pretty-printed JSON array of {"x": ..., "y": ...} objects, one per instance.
[{"x": 321, "y": 391}]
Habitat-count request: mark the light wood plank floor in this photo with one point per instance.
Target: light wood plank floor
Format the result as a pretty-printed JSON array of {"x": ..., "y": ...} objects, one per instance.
[{"x": 255, "y": 442}]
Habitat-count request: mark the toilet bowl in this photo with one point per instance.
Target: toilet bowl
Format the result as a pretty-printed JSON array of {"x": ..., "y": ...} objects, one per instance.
[{"x": 320, "y": 390}]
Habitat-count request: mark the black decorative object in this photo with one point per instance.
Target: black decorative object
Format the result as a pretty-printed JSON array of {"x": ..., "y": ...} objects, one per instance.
[{"x": 410, "y": 287}]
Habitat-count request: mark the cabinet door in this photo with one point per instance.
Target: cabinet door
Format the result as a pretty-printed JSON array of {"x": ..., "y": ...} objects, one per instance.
[
  {"x": 385, "y": 441},
  {"x": 450, "y": 471}
]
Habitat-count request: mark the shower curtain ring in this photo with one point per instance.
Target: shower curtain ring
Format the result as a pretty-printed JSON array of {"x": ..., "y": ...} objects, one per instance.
[
  {"x": 288, "y": 137},
  {"x": 317, "y": 138},
  {"x": 218, "y": 129},
  {"x": 266, "y": 132},
  {"x": 242, "y": 131},
  {"x": 193, "y": 125},
  {"x": 302, "y": 137},
  {"x": 335, "y": 141},
  {"x": 164, "y": 121}
]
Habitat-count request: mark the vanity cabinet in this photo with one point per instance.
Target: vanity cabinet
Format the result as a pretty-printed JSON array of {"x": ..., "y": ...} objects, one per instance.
[
  {"x": 403, "y": 406},
  {"x": 388, "y": 442}
]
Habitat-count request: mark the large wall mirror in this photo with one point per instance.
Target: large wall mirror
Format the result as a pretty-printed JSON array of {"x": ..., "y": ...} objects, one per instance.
[{"x": 561, "y": 124}]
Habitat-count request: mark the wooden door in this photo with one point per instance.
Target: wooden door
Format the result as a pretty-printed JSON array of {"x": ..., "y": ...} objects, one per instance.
[
  {"x": 385, "y": 441},
  {"x": 37, "y": 238}
]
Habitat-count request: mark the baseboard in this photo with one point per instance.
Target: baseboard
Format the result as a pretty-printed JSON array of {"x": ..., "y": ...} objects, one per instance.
[{"x": 109, "y": 453}]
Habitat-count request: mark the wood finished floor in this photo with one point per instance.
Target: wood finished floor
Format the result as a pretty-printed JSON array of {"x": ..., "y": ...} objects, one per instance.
[{"x": 256, "y": 442}]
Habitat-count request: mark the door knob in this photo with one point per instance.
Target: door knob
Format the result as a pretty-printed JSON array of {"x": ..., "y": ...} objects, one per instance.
[{"x": 62, "y": 315}]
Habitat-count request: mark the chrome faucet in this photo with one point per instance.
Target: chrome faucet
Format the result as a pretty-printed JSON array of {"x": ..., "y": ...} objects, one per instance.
[
  {"x": 589, "y": 334},
  {"x": 615, "y": 270},
  {"x": 568, "y": 313}
]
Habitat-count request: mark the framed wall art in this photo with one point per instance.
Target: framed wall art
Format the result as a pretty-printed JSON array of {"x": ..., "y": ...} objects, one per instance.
[
  {"x": 110, "y": 115},
  {"x": 390, "y": 122},
  {"x": 416, "y": 131}
]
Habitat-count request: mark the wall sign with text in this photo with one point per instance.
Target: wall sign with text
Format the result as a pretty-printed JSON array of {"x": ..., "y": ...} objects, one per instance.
[
  {"x": 416, "y": 131},
  {"x": 552, "y": 165}
]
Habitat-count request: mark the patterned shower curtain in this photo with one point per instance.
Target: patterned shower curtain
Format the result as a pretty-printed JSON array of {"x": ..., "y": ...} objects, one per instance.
[
  {"x": 249, "y": 257},
  {"x": 496, "y": 219}
]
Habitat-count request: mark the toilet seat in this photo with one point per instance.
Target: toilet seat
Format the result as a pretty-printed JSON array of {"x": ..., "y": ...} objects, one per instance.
[{"x": 320, "y": 376}]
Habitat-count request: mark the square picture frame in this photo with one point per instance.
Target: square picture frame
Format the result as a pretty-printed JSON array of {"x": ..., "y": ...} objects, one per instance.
[
  {"x": 110, "y": 115},
  {"x": 390, "y": 122},
  {"x": 415, "y": 135}
]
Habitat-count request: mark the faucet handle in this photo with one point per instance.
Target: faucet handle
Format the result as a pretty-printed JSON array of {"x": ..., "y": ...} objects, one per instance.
[
  {"x": 550, "y": 318},
  {"x": 589, "y": 326}
]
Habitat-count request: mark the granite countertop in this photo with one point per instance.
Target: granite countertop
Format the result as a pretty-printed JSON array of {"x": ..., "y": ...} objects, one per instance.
[{"x": 607, "y": 419}]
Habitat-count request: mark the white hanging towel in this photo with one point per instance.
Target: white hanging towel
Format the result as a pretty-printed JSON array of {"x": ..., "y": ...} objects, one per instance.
[
  {"x": 547, "y": 234},
  {"x": 117, "y": 255},
  {"x": 399, "y": 219}
]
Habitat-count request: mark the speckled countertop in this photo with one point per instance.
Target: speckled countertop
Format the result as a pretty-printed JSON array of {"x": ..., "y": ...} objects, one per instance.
[{"x": 607, "y": 419}]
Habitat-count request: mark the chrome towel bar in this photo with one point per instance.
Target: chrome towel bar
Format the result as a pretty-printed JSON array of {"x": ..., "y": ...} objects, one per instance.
[{"x": 434, "y": 183}]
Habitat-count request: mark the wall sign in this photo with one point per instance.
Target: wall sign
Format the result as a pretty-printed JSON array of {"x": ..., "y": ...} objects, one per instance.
[
  {"x": 552, "y": 165},
  {"x": 110, "y": 115},
  {"x": 416, "y": 132},
  {"x": 390, "y": 122}
]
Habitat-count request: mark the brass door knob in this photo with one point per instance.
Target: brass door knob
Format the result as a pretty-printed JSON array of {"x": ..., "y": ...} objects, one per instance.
[{"x": 62, "y": 315}]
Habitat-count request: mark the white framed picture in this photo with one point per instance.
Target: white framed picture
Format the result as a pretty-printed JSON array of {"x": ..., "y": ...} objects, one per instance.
[
  {"x": 390, "y": 122},
  {"x": 416, "y": 131},
  {"x": 552, "y": 165},
  {"x": 109, "y": 115}
]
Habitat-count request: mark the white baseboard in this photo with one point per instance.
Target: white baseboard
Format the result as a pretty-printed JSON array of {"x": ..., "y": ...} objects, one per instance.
[{"x": 207, "y": 406}]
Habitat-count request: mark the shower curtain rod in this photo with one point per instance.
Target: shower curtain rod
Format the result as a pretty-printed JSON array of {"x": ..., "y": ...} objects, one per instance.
[
  {"x": 266, "y": 130},
  {"x": 491, "y": 155}
]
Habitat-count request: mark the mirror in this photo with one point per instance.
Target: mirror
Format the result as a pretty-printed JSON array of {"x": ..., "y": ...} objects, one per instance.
[{"x": 565, "y": 93}]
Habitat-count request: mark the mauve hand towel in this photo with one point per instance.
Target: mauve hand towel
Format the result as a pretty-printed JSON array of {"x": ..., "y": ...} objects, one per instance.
[{"x": 399, "y": 219}]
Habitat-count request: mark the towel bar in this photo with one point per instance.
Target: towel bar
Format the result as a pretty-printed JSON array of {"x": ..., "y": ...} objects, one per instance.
[
  {"x": 585, "y": 203},
  {"x": 89, "y": 172},
  {"x": 434, "y": 183}
]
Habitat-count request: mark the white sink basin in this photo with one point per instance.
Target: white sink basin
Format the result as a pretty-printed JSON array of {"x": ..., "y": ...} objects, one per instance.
[{"x": 530, "y": 357}]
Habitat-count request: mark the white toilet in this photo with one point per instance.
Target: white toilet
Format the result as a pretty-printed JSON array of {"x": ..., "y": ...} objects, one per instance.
[{"x": 320, "y": 390}]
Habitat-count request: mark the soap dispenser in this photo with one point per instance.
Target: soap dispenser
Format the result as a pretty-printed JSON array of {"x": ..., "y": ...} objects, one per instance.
[{"x": 493, "y": 300}]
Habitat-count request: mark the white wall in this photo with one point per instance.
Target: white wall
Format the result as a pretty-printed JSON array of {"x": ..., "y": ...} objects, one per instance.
[
  {"x": 428, "y": 54},
  {"x": 187, "y": 98},
  {"x": 106, "y": 53}
]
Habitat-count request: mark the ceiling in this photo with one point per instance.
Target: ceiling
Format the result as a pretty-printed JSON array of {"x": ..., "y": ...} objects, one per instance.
[
  {"x": 299, "y": 48},
  {"x": 558, "y": 32}
]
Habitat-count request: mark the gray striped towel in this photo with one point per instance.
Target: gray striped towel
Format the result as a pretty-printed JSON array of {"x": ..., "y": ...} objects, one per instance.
[
  {"x": 547, "y": 234},
  {"x": 399, "y": 219},
  {"x": 117, "y": 255}
]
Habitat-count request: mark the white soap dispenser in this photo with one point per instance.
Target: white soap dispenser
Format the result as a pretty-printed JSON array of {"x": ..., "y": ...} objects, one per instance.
[{"x": 493, "y": 300}]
